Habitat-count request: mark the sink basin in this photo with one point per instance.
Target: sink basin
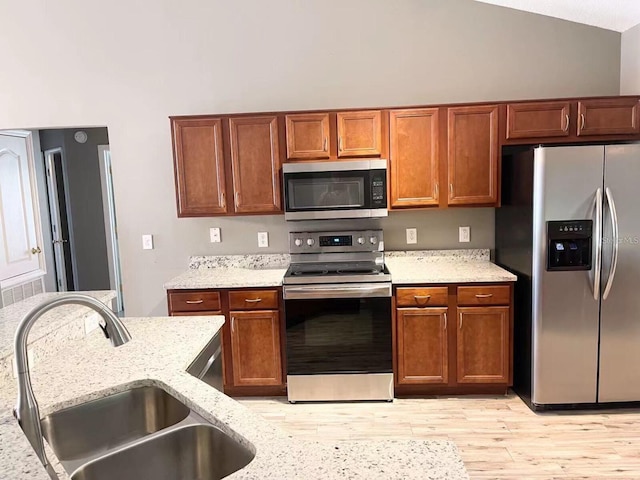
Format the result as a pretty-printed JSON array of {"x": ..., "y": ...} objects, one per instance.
[
  {"x": 92, "y": 428},
  {"x": 194, "y": 452}
]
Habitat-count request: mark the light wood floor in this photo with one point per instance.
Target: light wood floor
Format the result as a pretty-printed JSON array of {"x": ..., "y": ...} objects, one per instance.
[{"x": 498, "y": 436}]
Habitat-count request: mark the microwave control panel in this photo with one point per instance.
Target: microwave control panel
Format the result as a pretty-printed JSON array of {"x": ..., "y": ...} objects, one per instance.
[{"x": 378, "y": 188}]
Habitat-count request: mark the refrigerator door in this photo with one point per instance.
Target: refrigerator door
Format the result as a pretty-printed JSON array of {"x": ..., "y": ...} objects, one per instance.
[
  {"x": 619, "y": 379},
  {"x": 565, "y": 310}
]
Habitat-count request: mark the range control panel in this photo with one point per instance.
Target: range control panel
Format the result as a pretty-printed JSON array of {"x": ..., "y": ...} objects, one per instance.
[
  {"x": 569, "y": 245},
  {"x": 325, "y": 242}
]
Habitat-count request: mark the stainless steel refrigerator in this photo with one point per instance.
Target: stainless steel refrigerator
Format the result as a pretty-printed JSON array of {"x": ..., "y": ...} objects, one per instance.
[{"x": 569, "y": 227}]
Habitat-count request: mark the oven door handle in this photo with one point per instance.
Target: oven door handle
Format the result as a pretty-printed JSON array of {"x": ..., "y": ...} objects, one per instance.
[{"x": 309, "y": 292}]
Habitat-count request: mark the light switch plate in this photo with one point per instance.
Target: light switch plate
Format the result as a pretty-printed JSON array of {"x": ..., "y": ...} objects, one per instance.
[
  {"x": 263, "y": 239},
  {"x": 214, "y": 234},
  {"x": 412, "y": 235},
  {"x": 464, "y": 234},
  {"x": 147, "y": 242}
]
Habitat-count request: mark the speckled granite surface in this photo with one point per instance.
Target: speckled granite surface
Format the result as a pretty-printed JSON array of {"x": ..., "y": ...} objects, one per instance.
[
  {"x": 253, "y": 261},
  {"x": 91, "y": 368},
  {"x": 227, "y": 278},
  {"x": 50, "y": 322},
  {"x": 445, "y": 266}
]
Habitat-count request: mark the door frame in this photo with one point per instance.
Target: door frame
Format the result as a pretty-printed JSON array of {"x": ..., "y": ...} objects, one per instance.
[{"x": 110, "y": 224}]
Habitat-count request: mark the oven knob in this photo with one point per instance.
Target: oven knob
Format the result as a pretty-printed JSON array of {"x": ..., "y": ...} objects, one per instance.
[
  {"x": 310, "y": 241},
  {"x": 361, "y": 240},
  {"x": 298, "y": 242},
  {"x": 373, "y": 240}
]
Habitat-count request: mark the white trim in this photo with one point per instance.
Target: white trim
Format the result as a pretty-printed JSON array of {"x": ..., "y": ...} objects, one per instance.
[
  {"x": 20, "y": 279},
  {"x": 54, "y": 215}
]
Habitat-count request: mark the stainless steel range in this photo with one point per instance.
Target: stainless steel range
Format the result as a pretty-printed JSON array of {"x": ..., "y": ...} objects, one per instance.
[{"x": 337, "y": 295}]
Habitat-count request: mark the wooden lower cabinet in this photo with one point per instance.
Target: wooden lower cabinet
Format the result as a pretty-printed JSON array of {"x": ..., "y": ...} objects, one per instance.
[
  {"x": 422, "y": 345},
  {"x": 255, "y": 348},
  {"x": 483, "y": 345},
  {"x": 461, "y": 345}
]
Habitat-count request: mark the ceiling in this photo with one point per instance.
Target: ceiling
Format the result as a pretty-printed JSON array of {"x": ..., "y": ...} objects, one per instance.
[{"x": 618, "y": 15}]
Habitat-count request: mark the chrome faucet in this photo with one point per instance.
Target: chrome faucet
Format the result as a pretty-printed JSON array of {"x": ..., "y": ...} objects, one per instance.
[{"x": 27, "y": 412}]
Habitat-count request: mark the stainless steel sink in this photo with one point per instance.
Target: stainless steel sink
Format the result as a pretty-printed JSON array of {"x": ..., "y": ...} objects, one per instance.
[
  {"x": 194, "y": 452},
  {"x": 79, "y": 433}
]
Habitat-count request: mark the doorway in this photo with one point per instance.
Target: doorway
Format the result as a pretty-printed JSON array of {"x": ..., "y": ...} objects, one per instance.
[{"x": 58, "y": 215}]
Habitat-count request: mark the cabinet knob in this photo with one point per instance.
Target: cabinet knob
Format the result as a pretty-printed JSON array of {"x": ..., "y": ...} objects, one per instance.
[{"x": 36, "y": 250}]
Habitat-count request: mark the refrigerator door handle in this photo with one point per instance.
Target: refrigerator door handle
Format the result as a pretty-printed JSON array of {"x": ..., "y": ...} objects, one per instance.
[
  {"x": 597, "y": 272},
  {"x": 614, "y": 239}
]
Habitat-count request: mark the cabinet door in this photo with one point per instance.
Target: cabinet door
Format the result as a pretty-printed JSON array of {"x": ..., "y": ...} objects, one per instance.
[
  {"x": 359, "y": 134},
  {"x": 199, "y": 167},
  {"x": 538, "y": 119},
  {"x": 414, "y": 157},
  {"x": 422, "y": 345},
  {"x": 483, "y": 345},
  {"x": 255, "y": 164},
  {"x": 473, "y": 152},
  {"x": 255, "y": 348},
  {"x": 308, "y": 135},
  {"x": 608, "y": 116}
]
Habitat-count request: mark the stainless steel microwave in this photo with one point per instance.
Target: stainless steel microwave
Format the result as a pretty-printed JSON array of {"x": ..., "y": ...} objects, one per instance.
[{"x": 342, "y": 189}]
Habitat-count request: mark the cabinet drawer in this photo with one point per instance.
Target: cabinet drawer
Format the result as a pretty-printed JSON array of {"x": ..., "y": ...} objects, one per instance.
[
  {"x": 484, "y": 295},
  {"x": 194, "y": 301},
  {"x": 253, "y": 299},
  {"x": 422, "y": 297}
]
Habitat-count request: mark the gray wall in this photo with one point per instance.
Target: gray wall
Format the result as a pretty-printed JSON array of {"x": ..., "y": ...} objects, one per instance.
[
  {"x": 82, "y": 168},
  {"x": 164, "y": 58},
  {"x": 630, "y": 62}
]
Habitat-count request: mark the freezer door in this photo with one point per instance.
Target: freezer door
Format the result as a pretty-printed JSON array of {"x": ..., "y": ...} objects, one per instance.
[
  {"x": 565, "y": 312},
  {"x": 620, "y": 317}
]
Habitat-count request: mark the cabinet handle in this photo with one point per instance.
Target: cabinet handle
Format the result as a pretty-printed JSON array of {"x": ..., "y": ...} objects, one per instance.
[
  {"x": 324, "y": 145},
  {"x": 451, "y": 190},
  {"x": 484, "y": 295},
  {"x": 233, "y": 324},
  {"x": 236, "y": 197},
  {"x": 582, "y": 121},
  {"x": 566, "y": 125},
  {"x": 252, "y": 300},
  {"x": 460, "y": 320},
  {"x": 194, "y": 302},
  {"x": 436, "y": 195},
  {"x": 340, "y": 143},
  {"x": 36, "y": 250},
  {"x": 445, "y": 320},
  {"x": 223, "y": 200}
]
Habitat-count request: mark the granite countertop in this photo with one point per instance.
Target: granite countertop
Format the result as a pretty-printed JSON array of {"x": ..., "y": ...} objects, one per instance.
[
  {"x": 90, "y": 368},
  {"x": 406, "y": 267}
]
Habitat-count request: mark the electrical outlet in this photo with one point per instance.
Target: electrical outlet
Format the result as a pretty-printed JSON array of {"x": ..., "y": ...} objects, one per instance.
[
  {"x": 147, "y": 242},
  {"x": 263, "y": 239},
  {"x": 412, "y": 235},
  {"x": 214, "y": 234},
  {"x": 464, "y": 234}
]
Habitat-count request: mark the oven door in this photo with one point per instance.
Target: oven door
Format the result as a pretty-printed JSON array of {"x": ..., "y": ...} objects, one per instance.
[
  {"x": 338, "y": 329},
  {"x": 349, "y": 189}
]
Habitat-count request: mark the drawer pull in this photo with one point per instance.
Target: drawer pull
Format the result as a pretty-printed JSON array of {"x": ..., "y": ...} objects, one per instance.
[
  {"x": 252, "y": 300},
  {"x": 420, "y": 297},
  {"x": 484, "y": 295},
  {"x": 194, "y": 302}
]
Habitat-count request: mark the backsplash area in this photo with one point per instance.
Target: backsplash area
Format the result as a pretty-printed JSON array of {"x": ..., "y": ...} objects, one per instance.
[{"x": 20, "y": 292}]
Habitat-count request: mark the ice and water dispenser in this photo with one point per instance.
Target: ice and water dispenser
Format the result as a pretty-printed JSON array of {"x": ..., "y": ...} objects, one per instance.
[{"x": 569, "y": 245}]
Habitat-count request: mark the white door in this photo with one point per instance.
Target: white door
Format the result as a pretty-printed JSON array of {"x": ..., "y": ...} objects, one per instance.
[{"x": 20, "y": 252}]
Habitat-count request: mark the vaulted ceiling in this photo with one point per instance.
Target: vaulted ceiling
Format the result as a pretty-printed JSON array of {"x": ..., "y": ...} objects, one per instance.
[{"x": 618, "y": 15}]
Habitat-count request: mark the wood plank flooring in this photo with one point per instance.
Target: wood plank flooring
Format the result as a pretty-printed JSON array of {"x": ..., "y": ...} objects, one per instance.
[{"x": 498, "y": 436}]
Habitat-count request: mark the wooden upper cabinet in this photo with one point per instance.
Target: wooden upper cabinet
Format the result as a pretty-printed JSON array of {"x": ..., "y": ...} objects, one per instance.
[
  {"x": 538, "y": 119},
  {"x": 472, "y": 155},
  {"x": 413, "y": 157},
  {"x": 422, "y": 345},
  {"x": 255, "y": 348},
  {"x": 483, "y": 345},
  {"x": 608, "y": 116},
  {"x": 359, "y": 133},
  {"x": 199, "y": 166},
  {"x": 308, "y": 136},
  {"x": 255, "y": 164}
]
